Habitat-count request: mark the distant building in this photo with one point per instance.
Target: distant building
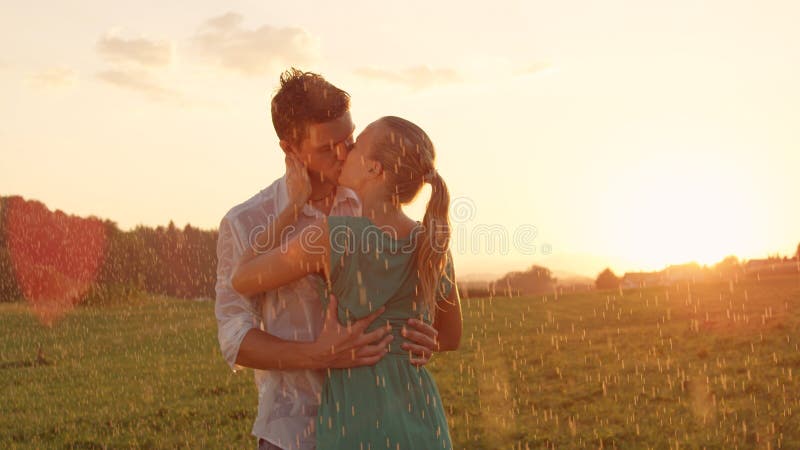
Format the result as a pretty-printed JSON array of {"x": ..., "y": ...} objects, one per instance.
[
  {"x": 642, "y": 279},
  {"x": 772, "y": 266}
]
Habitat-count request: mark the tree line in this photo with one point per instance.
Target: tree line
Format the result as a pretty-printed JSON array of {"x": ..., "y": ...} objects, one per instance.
[{"x": 48, "y": 254}]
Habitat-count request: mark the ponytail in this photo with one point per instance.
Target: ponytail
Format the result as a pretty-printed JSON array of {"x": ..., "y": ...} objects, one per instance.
[
  {"x": 409, "y": 154},
  {"x": 433, "y": 243}
]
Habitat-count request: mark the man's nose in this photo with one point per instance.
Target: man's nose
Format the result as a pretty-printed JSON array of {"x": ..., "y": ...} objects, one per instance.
[{"x": 341, "y": 152}]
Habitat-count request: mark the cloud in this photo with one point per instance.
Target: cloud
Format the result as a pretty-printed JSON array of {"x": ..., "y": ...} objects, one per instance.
[
  {"x": 417, "y": 78},
  {"x": 532, "y": 68},
  {"x": 225, "y": 42},
  {"x": 144, "y": 82},
  {"x": 144, "y": 52},
  {"x": 135, "y": 64},
  {"x": 55, "y": 77},
  {"x": 141, "y": 81}
]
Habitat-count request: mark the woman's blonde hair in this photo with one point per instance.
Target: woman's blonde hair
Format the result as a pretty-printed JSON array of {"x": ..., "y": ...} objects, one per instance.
[{"x": 407, "y": 156}]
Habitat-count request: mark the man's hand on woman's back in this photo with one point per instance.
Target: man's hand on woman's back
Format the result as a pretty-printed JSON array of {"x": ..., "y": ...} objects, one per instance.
[
  {"x": 340, "y": 346},
  {"x": 424, "y": 340}
]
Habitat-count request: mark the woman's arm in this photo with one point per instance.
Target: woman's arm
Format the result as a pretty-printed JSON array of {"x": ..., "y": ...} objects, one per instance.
[
  {"x": 298, "y": 186},
  {"x": 448, "y": 320},
  {"x": 272, "y": 235},
  {"x": 307, "y": 252},
  {"x": 444, "y": 335}
]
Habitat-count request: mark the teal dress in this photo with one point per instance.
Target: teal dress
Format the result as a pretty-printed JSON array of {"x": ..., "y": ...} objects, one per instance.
[{"x": 393, "y": 404}]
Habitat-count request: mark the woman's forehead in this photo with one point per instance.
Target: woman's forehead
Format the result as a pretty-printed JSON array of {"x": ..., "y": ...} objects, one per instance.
[{"x": 370, "y": 130}]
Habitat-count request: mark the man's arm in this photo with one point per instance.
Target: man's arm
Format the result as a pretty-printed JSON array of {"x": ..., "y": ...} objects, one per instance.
[{"x": 336, "y": 346}]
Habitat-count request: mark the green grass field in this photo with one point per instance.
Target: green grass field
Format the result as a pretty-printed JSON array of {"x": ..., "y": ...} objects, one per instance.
[{"x": 691, "y": 366}]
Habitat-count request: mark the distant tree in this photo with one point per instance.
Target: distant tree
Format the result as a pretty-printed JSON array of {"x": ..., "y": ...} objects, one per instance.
[
  {"x": 607, "y": 280},
  {"x": 163, "y": 260},
  {"x": 797, "y": 253},
  {"x": 728, "y": 261},
  {"x": 729, "y": 266},
  {"x": 9, "y": 290},
  {"x": 200, "y": 255},
  {"x": 536, "y": 280}
]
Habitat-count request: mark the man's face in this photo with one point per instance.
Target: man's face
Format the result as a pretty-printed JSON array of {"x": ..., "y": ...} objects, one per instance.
[{"x": 325, "y": 148}]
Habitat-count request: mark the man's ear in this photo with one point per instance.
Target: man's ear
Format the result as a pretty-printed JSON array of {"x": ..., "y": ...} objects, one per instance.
[{"x": 287, "y": 147}]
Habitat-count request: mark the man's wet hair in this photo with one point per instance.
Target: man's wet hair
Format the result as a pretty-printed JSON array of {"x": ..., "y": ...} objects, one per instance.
[{"x": 305, "y": 98}]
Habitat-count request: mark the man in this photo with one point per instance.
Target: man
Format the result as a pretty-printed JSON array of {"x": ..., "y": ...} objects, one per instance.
[{"x": 284, "y": 334}]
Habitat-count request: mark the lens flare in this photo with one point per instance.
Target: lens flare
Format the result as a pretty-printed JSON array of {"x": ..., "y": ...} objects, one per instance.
[{"x": 55, "y": 257}]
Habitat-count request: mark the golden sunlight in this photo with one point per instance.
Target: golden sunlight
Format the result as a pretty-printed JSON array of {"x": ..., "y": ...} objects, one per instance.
[{"x": 682, "y": 208}]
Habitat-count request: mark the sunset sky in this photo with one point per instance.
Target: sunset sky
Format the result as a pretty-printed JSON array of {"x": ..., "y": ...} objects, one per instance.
[{"x": 630, "y": 134}]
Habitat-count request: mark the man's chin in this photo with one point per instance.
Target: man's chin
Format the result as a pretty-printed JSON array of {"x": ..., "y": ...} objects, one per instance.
[
  {"x": 334, "y": 177},
  {"x": 330, "y": 178}
]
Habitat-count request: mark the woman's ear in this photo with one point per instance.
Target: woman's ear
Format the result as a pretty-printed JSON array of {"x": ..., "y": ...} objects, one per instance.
[{"x": 375, "y": 168}]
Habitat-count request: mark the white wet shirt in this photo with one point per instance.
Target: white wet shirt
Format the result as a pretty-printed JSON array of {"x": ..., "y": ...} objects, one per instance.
[{"x": 287, "y": 399}]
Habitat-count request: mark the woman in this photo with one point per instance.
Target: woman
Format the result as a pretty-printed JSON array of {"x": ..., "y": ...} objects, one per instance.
[{"x": 383, "y": 259}]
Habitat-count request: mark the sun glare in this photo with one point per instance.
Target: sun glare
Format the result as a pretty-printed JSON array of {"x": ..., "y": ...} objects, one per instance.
[{"x": 671, "y": 212}]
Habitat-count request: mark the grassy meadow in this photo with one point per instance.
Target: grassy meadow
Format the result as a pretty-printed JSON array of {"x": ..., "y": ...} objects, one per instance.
[{"x": 690, "y": 366}]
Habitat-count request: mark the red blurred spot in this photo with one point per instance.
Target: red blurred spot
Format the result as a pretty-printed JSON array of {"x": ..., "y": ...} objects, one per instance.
[{"x": 55, "y": 257}]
